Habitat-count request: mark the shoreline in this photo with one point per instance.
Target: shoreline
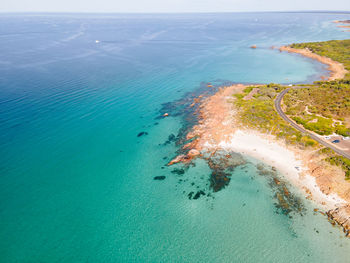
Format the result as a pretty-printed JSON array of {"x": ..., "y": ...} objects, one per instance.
[
  {"x": 219, "y": 129},
  {"x": 345, "y": 24},
  {"x": 287, "y": 160},
  {"x": 337, "y": 70}
]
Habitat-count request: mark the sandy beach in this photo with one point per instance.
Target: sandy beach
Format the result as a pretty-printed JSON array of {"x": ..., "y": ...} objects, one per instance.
[
  {"x": 287, "y": 160},
  {"x": 219, "y": 129},
  {"x": 337, "y": 69}
]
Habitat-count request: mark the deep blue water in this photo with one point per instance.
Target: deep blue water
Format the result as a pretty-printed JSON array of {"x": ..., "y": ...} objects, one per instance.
[{"x": 76, "y": 182}]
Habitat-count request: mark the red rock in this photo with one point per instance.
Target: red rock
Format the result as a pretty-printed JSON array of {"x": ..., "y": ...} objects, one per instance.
[
  {"x": 193, "y": 153},
  {"x": 177, "y": 159}
]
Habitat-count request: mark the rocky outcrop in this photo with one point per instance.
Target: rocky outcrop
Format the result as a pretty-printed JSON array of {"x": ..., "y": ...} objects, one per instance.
[
  {"x": 341, "y": 216},
  {"x": 193, "y": 153},
  {"x": 185, "y": 158},
  {"x": 178, "y": 159}
]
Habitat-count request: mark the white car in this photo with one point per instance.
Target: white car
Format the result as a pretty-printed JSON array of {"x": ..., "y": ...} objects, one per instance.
[
  {"x": 327, "y": 137},
  {"x": 346, "y": 138}
]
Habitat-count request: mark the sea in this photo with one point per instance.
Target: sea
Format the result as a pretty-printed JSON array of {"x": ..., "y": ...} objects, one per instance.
[{"x": 84, "y": 145}]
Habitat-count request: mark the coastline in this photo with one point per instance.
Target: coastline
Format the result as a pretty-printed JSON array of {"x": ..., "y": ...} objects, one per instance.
[
  {"x": 286, "y": 159},
  {"x": 219, "y": 129},
  {"x": 337, "y": 69},
  {"x": 345, "y": 24}
]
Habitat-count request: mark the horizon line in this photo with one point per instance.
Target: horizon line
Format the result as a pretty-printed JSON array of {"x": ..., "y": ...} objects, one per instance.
[{"x": 182, "y": 12}]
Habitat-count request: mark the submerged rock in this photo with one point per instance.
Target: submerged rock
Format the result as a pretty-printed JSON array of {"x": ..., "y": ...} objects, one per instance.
[
  {"x": 171, "y": 138},
  {"x": 142, "y": 133},
  {"x": 222, "y": 164},
  {"x": 219, "y": 180},
  {"x": 286, "y": 201},
  {"x": 198, "y": 194},
  {"x": 159, "y": 178},
  {"x": 178, "y": 171}
]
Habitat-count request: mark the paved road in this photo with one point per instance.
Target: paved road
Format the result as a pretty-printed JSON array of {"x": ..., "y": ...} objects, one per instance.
[{"x": 301, "y": 129}]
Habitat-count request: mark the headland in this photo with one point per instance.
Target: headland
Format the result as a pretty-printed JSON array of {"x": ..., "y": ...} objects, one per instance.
[{"x": 242, "y": 119}]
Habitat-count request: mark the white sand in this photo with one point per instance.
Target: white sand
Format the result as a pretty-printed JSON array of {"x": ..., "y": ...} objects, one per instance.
[{"x": 267, "y": 150}]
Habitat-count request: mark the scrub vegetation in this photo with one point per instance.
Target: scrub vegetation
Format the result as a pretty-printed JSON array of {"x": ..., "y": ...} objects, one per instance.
[
  {"x": 323, "y": 108},
  {"x": 311, "y": 107},
  {"x": 337, "y": 160},
  {"x": 338, "y": 50},
  {"x": 259, "y": 113}
]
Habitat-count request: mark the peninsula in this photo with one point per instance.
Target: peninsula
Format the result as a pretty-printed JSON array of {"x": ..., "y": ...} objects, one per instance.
[
  {"x": 345, "y": 23},
  {"x": 300, "y": 130}
]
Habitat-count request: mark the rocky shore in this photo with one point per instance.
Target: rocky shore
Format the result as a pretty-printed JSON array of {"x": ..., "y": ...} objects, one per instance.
[
  {"x": 218, "y": 136},
  {"x": 340, "y": 216},
  {"x": 219, "y": 132}
]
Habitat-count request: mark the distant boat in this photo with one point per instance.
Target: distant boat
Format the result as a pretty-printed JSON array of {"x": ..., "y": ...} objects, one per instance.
[{"x": 97, "y": 41}]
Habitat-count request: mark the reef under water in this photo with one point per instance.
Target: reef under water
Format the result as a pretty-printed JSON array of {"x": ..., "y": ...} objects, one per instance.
[{"x": 222, "y": 163}]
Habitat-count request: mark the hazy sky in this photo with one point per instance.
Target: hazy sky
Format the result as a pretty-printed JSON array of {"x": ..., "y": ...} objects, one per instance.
[{"x": 170, "y": 5}]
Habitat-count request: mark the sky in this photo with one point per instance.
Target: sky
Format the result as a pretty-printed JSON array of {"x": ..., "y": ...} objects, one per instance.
[{"x": 167, "y": 6}]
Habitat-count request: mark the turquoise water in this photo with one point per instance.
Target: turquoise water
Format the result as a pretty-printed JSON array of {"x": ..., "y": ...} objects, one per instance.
[{"x": 76, "y": 182}]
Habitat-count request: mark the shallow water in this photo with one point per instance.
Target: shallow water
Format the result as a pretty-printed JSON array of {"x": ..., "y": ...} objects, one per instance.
[{"x": 77, "y": 183}]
